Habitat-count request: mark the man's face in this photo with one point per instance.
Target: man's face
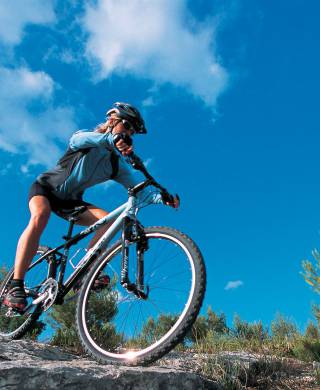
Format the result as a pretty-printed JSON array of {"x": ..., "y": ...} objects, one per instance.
[{"x": 121, "y": 128}]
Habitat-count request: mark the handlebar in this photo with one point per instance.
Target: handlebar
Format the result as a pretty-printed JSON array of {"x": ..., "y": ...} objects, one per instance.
[{"x": 136, "y": 163}]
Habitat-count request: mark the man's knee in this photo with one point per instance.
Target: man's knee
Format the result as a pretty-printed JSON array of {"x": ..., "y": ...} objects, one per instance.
[{"x": 39, "y": 219}]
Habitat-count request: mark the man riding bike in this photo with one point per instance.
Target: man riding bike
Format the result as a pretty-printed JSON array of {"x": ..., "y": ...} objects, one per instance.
[{"x": 91, "y": 158}]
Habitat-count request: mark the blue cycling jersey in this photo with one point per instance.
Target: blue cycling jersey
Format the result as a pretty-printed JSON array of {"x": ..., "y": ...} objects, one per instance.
[{"x": 89, "y": 162}]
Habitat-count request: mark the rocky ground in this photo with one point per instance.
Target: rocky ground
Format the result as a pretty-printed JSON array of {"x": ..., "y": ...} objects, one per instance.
[
  {"x": 243, "y": 370},
  {"x": 30, "y": 365}
]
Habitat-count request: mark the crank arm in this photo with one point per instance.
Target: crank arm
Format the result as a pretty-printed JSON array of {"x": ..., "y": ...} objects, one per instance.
[
  {"x": 31, "y": 293},
  {"x": 41, "y": 298}
]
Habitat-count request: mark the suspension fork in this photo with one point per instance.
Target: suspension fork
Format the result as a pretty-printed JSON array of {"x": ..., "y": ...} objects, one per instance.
[
  {"x": 129, "y": 236},
  {"x": 126, "y": 236},
  {"x": 141, "y": 247}
]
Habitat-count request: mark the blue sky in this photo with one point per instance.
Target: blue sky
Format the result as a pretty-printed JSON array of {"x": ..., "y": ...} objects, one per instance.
[{"x": 229, "y": 91}]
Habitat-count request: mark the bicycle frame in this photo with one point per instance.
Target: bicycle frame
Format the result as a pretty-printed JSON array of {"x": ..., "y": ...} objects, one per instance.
[{"x": 122, "y": 217}]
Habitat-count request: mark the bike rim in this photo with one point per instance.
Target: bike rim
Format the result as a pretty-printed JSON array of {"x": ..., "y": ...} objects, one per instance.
[
  {"x": 10, "y": 326},
  {"x": 133, "y": 353}
]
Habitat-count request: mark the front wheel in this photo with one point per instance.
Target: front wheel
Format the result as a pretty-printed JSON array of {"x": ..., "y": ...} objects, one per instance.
[{"x": 116, "y": 326}]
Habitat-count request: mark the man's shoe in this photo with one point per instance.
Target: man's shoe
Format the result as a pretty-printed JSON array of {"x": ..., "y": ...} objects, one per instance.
[
  {"x": 100, "y": 283},
  {"x": 16, "y": 299}
]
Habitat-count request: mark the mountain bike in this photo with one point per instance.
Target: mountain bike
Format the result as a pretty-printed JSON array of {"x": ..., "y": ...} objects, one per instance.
[{"x": 156, "y": 286}]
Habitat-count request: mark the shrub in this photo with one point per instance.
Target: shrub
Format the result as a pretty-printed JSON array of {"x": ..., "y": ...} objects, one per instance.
[
  {"x": 306, "y": 349},
  {"x": 245, "y": 330},
  {"x": 283, "y": 329},
  {"x": 312, "y": 331}
]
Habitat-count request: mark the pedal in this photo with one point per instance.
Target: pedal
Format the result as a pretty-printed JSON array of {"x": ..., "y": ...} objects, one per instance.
[{"x": 12, "y": 313}]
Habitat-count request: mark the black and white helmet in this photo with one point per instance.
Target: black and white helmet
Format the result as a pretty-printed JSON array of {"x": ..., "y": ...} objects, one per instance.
[{"x": 131, "y": 114}]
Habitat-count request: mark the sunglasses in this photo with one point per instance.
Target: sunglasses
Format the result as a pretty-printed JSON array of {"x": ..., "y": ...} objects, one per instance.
[{"x": 127, "y": 125}]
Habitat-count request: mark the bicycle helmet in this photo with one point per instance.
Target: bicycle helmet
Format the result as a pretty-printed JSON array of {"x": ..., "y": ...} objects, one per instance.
[{"x": 131, "y": 114}]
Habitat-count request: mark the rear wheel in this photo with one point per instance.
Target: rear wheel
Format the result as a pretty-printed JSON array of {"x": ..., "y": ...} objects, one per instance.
[
  {"x": 115, "y": 326},
  {"x": 14, "y": 325}
]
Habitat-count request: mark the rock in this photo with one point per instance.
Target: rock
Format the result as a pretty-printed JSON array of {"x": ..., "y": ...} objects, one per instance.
[
  {"x": 31, "y": 351},
  {"x": 31, "y": 365},
  {"x": 242, "y": 369}
]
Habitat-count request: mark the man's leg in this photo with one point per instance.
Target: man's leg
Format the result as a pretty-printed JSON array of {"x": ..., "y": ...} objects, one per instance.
[
  {"x": 89, "y": 217},
  {"x": 27, "y": 248},
  {"x": 29, "y": 241}
]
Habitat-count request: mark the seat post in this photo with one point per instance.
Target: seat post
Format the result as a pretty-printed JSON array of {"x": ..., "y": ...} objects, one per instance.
[
  {"x": 70, "y": 229},
  {"x": 72, "y": 217}
]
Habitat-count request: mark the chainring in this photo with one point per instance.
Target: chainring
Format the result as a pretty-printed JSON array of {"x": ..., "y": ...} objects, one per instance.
[{"x": 51, "y": 288}]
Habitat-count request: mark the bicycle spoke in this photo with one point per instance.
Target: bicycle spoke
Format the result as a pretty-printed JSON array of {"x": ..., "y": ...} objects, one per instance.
[
  {"x": 17, "y": 324},
  {"x": 135, "y": 323},
  {"x": 169, "y": 289},
  {"x": 161, "y": 265},
  {"x": 165, "y": 278},
  {"x": 126, "y": 316}
]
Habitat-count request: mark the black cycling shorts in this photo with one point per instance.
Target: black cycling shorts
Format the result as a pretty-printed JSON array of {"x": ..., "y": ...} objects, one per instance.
[{"x": 58, "y": 206}]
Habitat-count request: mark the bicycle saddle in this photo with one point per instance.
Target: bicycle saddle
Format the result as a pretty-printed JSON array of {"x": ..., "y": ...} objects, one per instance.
[{"x": 70, "y": 214}]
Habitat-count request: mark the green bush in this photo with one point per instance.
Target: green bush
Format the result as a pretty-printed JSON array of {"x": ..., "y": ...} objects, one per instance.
[
  {"x": 306, "y": 349},
  {"x": 14, "y": 323},
  {"x": 283, "y": 329},
  {"x": 244, "y": 330},
  {"x": 312, "y": 331},
  {"x": 101, "y": 309}
]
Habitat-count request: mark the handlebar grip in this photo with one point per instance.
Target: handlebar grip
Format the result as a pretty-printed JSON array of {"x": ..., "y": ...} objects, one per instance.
[
  {"x": 121, "y": 136},
  {"x": 133, "y": 159},
  {"x": 170, "y": 199},
  {"x": 126, "y": 138}
]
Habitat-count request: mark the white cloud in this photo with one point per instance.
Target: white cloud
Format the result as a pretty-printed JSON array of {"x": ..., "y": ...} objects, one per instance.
[
  {"x": 24, "y": 169},
  {"x": 5, "y": 169},
  {"x": 23, "y": 84},
  {"x": 31, "y": 123},
  {"x": 22, "y": 130},
  {"x": 16, "y": 15},
  {"x": 148, "y": 102},
  {"x": 153, "y": 40},
  {"x": 233, "y": 284}
]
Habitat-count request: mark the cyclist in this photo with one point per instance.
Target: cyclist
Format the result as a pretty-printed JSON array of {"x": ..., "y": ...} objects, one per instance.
[{"x": 91, "y": 158}]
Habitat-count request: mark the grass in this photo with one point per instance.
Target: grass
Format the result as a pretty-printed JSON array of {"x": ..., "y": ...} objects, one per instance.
[{"x": 270, "y": 363}]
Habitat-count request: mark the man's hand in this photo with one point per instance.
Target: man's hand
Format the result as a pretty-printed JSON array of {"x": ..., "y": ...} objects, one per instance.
[
  {"x": 124, "y": 148},
  {"x": 170, "y": 200},
  {"x": 175, "y": 202}
]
